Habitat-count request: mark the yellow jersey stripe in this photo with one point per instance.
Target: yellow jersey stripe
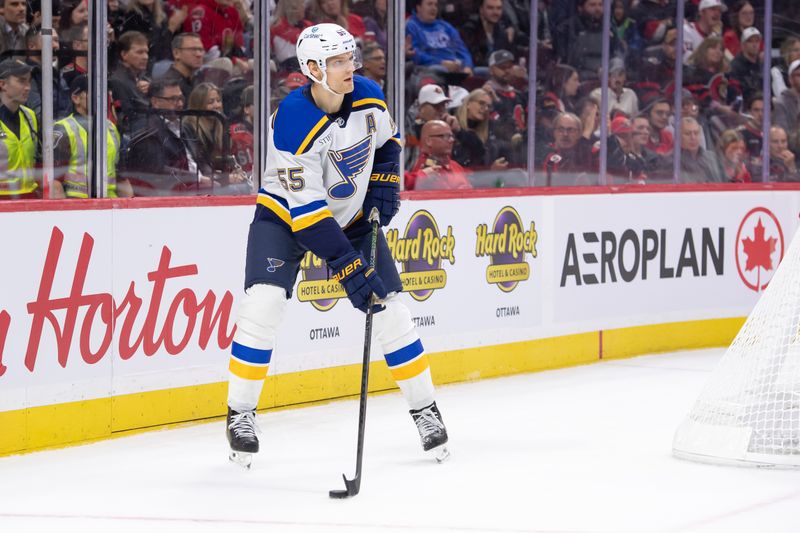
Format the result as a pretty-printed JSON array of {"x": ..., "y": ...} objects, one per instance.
[
  {"x": 398, "y": 141},
  {"x": 244, "y": 371},
  {"x": 310, "y": 219},
  {"x": 412, "y": 369},
  {"x": 275, "y": 207},
  {"x": 365, "y": 101},
  {"x": 311, "y": 134}
]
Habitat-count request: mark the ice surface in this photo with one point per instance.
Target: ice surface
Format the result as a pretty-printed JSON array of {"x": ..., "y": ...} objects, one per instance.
[{"x": 583, "y": 449}]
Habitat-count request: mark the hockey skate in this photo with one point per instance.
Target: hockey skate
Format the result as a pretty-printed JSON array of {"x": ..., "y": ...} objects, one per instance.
[
  {"x": 432, "y": 432},
  {"x": 241, "y": 431}
]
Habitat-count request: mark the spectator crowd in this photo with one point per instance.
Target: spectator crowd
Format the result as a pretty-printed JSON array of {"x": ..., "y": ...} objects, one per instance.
[{"x": 181, "y": 95}]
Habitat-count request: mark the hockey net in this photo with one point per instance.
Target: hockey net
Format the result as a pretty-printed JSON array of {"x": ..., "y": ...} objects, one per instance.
[{"x": 749, "y": 412}]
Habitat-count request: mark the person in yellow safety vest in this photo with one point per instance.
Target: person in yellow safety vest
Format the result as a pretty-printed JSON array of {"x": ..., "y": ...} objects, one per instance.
[
  {"x": 19, "y": 134},
  {"x": 70, "y": 149}
]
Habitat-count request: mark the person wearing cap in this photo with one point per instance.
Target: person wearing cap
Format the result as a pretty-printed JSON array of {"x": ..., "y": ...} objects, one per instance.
[
  {"x": 486, "y": 31},
  {"x": 509, "y": 104},
  {"x": 71, "y": 149},
  {"x": 708, "y": 23},
  {"x": 619, "y": 97},
  {"x": 623, "y": 164},
  {"x": 746, "y": 67},
  {"x": 61, "y": 102},
  {"x": 742, "y": 16},
  {"x": 431, "y": 104},
  {"x": 787, "y": 105},
  {"x": 187, "y": 58},
  {"x": 19, "y": 133},
  {"x": 435, "y": 43}
]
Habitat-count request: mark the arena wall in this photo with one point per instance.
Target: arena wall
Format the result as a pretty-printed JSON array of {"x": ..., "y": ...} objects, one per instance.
[{"x": 117, "y": 315}]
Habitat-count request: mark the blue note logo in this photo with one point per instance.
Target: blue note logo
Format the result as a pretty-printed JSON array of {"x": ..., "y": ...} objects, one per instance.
[
  {"x": 274, "y": 264},
  {"x": 349, "y": 163}
]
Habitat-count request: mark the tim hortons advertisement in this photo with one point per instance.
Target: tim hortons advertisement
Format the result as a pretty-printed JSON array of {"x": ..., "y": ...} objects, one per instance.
[{"x": 645, "y": 258}]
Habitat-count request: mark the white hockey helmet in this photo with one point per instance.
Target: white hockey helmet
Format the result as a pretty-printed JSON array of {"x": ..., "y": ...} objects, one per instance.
[{"x": 318, "y": 43}]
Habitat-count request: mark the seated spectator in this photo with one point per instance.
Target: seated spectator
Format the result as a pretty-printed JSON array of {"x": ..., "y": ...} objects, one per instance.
[
  {"x": 431, "y": 104},
  {"x": 746, "y": 67},
  {"x": 661, "y": 141},
  {"x": 782, "y": 162},
  {"x": 732, "y": 155},
  {"x": 623, "y": 163},
  {"x": 287, "y": 24},
  {"x": 129, "y": 83},
  {"x": 220, "y": 28},
  {"x": 203, "y": 136},
  {"x": 697, "y": 165},
  {"x": 570, "y": 156},
  {"x": 79, "y": 37},
  {"x": 654, "y": 18},
  {"x": 579, "y": 39},
  {"x": 187, "y": 58},
  {"x": 787, "y": 105},
  {"x": 20, "y": 128},
  {"x": 70, "y": 150},
  {"x": 150, "y": 18},
  {"x": 658, "y": 64},
  {"x": 790, "y": 52},
  {"x": 708, "y": 24},
  {"x": 158, "y": 162},
  {"x": 73, "y": 13},
  {"x": 487, "y": 31},
  {"x": 241, "y": 133},
  {"x": 656, "y": 167},
  {"x": 435, "y": 168},
  {"x": 61, "y": 103},
  {"x": 477, "y": 148},
  {"x": 435, "y": 43},
  {"x": 619, "y": 97},
  {"x": 337, "y": 12},
  {"x": 752, "y": 132},
  {"x": 626, "y": 30},
  {"x": 561, "y": 89},
  {"x": 374, "y": 63},
  {"x": 707, "y": 60},
  {"x": 376, "y": 24},
  {"x": 509, "y": 103},
  {"x": 589, "y": 112},
  {"x": 743, "y": 17},
  {"x": 13, "y": 26}
]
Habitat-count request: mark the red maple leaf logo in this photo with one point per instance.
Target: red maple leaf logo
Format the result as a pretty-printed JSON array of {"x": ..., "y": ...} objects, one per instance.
[{"x": 758, "y": 249}]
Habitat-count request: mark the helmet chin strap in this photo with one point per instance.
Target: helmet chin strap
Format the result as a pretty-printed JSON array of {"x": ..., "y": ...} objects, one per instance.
[{"x": 324, "y": 83}]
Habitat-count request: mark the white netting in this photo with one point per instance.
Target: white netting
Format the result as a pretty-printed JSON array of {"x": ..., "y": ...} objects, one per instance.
[{"x": 749, "y": 412}]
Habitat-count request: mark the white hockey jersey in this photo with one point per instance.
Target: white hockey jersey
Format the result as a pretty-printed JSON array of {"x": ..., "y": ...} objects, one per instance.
[{"x": 318, "y": 165}]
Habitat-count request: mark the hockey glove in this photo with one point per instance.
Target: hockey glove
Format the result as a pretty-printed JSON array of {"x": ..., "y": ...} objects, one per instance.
[
  {"x": 358, "y": 279},
  {"x": 383, "y": 191}
]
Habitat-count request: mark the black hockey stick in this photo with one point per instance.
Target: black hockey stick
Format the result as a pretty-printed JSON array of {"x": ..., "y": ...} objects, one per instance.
[{"x": 352, "y": 486}]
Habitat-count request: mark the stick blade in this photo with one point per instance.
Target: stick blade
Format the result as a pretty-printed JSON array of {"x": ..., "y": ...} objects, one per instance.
[{"x": 352, "y": 486}]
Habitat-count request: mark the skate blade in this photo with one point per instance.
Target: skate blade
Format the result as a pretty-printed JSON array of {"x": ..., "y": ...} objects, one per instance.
[
  {"x": 245, "y": 460},
  {"x": 440, "y": 454}
]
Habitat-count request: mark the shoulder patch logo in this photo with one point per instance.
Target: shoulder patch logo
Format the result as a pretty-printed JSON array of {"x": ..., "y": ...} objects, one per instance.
[{"x": 274, "y": 264}]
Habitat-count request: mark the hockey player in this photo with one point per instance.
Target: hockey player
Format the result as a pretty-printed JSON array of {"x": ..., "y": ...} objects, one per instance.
[{"x": 333, "y": 155}]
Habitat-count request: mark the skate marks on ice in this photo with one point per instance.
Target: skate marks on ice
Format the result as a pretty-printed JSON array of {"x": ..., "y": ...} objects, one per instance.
[{"x": 583, "y": 449}]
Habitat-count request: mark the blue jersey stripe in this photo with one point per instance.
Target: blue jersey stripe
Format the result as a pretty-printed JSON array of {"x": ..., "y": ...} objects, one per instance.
[
  {"x": 251, "y": 355},
  {"x": 404, "y": 355},
  {"x": 308, "y": 208}
]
